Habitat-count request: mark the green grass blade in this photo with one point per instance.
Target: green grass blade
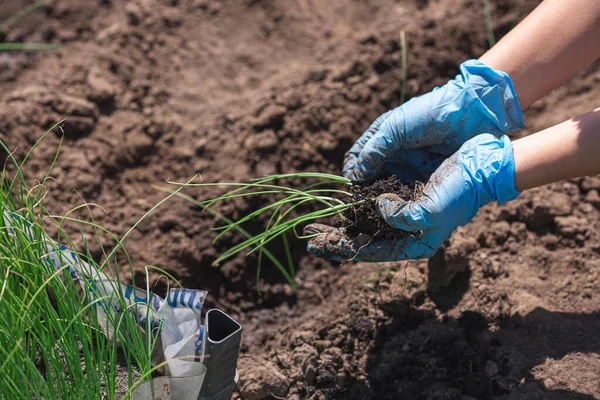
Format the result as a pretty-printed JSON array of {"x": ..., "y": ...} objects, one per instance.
[
  {"x": 28, "y": 46},
  {"x": 319, "y": 175},
  {"x": 487, "y": 16},
  {"x": 245, "y": 233},
  {"x": 4, "y": 25},
  {"x": 403, "y": 51}
]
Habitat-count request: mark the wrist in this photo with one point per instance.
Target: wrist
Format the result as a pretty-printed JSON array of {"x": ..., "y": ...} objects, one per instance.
[
  {"x": 479, "y": 100},
  {"x": 564, "y": 151},
  {"x": 495, "y": 91},
  {"x": 505, "y": 176},
  {"x": 489, "y": 167}
]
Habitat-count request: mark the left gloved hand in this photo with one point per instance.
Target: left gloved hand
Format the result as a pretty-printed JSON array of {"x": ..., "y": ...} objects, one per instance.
[
  {"x": 412, "y": 140},
  {"x": 481, "y": 171}
]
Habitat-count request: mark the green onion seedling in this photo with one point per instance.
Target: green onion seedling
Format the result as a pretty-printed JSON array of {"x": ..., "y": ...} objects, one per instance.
[{"x": 284, "y": 213}]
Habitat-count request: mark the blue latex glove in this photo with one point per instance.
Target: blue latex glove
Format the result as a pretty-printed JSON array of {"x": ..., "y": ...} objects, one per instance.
[
  {"x": 412, "y": 140},
  {"x": 480, "y": 172}
]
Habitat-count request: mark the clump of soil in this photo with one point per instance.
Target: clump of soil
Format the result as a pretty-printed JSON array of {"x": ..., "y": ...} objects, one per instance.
[{"x": 365, "y": 218}]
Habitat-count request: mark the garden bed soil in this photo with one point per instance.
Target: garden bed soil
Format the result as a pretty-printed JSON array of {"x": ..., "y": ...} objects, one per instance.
[{"x": 157, "y": 89}]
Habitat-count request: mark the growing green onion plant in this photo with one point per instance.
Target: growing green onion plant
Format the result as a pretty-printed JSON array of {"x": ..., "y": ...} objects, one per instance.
[
  {"x": 285, "y": 213},
  {"x": 52, "y": 343}
]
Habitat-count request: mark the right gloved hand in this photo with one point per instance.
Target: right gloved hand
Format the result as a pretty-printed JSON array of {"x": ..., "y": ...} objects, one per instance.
[{"x": 412, "y": 140}]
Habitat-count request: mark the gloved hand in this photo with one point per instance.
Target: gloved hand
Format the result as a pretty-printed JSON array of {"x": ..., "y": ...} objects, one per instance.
[
  {"x": 481, "y": 171},
  {"x": 412, "y": 140}
]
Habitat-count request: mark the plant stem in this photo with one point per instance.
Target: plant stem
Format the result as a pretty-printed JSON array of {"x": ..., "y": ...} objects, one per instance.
[
  {"x": 487, "y": 15},
  {"x": 404, "y": 65}
]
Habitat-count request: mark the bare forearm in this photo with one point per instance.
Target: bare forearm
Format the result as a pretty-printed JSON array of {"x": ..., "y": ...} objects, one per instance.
[
  {"x": 553, "y": 43},
  {"x": 558, "y": 39},
  {"x": 567, "y": 150}
]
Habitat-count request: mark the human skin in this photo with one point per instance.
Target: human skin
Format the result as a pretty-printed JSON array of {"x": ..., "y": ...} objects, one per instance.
[
  {"x": 567, "y": 150},
  {"x": 554, "y": 42}
]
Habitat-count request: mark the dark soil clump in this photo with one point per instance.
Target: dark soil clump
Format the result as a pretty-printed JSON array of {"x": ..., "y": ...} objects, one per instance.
[{"x": 365, "y": 218}]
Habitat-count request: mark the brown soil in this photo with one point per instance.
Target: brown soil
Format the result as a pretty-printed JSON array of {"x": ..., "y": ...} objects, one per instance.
[
  {"x": 365, "y": 218},
  {"x": 157, "y": 89}
]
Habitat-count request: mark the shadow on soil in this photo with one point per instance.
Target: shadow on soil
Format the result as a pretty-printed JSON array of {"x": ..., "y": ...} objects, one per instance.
[{"x": 418, "y": 356}]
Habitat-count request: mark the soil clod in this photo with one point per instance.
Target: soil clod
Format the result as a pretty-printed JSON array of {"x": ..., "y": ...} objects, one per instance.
[{"x": 365, "y": 218}]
